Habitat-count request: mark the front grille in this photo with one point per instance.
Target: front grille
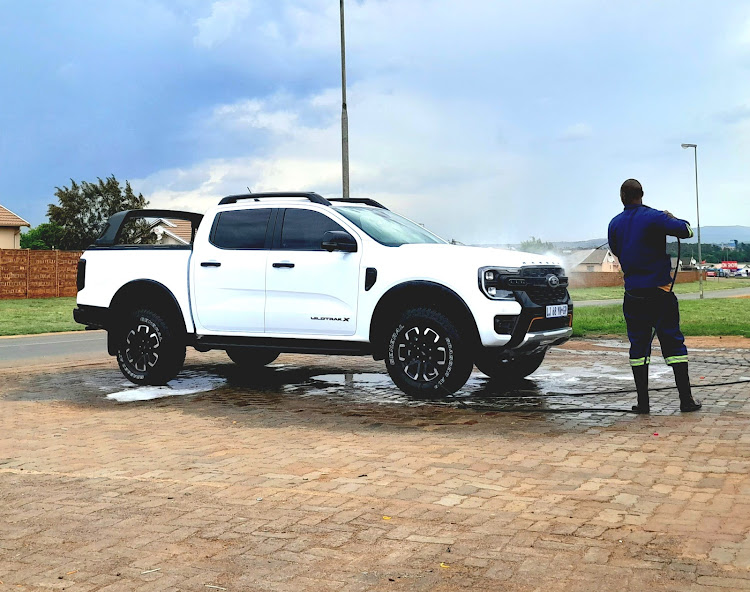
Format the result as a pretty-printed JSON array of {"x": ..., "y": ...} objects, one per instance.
[
  {"x": 540, "y": 272},
  {"x": 544, "y": 295},
  {"x": 537, "y": 288},
  {"x": 549, "y": 324}
]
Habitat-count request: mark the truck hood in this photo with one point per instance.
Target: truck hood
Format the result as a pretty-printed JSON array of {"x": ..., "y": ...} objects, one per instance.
[{"x": 474, "y": 256}]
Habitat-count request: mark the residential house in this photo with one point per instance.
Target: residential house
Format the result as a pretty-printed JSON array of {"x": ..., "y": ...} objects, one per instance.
[
  {"x": 173, "y": 232},
  {"x": 591, "y": 260},
  {"x": 687, "y": 263},
  {"x": 10, "y": 229}
]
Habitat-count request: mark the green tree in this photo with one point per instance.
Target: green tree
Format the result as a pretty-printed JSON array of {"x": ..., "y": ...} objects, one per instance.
[
  {"x": 45, "y": 236},
  {"x": 535, "y": 245},
  {"x": 84, "y": 208}
]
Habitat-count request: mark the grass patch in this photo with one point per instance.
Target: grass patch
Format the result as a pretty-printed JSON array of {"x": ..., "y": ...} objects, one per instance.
[
  {"x": 699, "y": 318},
  {"x": 37, "y": 315},
  {"x": 616, "y": 292}
]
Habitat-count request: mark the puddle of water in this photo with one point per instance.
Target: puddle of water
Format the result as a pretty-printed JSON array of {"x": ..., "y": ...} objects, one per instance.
[
  {"x": 185, "y": 384},
  {"x": 355, "y": 379},
  {"x": 551, "y": 379}
]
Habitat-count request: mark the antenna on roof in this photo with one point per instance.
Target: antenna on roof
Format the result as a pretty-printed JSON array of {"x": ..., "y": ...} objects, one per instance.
[{"x": 249, "y": 190}]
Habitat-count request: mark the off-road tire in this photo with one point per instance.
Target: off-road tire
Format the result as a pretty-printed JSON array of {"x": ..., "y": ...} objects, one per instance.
[
  {"x": 493, "y": 364},
  {"x": 251, "y": 357},
  {"x": 425, "y": 355},
  {"x": 148, "y": 351}
]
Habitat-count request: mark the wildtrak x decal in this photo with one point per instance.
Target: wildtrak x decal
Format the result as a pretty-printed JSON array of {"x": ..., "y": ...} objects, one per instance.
[{"x": 342, "y": 319}]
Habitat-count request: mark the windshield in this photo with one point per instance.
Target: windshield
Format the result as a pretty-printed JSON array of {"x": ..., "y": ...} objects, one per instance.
[{"x": 387, "y": 228}]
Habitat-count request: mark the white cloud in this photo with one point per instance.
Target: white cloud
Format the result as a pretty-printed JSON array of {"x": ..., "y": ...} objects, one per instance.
[
  {"x": 417, "y": 154},
  {"x": 254, "y": 114},
  {"x": 226, "y": 17}
]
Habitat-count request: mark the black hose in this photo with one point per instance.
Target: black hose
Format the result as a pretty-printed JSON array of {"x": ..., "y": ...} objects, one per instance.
[{"x": 626, "y": 391}]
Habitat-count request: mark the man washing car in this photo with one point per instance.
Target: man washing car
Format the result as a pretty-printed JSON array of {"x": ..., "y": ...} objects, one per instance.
[{"x": 637, "y": 236}]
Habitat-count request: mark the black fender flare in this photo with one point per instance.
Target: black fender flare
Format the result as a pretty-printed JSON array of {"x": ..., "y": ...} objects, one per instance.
[
  {"x": 140, "y": 293},
  {"x": 419, "y": 293}
]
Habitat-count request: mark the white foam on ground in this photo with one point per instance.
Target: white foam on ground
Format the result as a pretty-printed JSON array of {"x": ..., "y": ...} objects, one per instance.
[{"x": 185, "y": 385}]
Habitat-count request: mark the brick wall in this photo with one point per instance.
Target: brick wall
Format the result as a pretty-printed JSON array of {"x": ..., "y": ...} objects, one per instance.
[
  {"x": 601, "y": 279},
  {"x": 37, "y": 274}
]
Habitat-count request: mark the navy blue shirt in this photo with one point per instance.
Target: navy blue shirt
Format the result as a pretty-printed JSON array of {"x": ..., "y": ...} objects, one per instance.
[{"x": 638, "y": 236}]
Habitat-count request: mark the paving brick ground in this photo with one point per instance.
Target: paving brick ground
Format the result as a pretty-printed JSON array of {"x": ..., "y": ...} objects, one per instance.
[{"x": 310, "y": 476}]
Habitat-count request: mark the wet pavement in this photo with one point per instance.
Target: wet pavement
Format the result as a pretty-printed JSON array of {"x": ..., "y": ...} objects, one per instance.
[
  {"x": 592, "y": 380},
  {"x": 317, "y": 473}
]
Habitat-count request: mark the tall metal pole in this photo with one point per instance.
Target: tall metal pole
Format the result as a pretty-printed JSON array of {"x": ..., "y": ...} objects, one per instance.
[
  {"x": 698, "y": 216},
  {"x": 344, "y": 116}
]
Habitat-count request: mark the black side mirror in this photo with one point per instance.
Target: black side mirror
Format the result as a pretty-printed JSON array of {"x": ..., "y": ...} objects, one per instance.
[{"x": 339, "y": 240}]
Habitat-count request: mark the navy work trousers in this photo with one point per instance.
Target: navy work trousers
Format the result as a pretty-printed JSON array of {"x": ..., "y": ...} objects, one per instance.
[{"x": 649, "y": 308}]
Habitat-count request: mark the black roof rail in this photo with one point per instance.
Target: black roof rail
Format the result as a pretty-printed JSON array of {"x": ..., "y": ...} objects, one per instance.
[
  {"x": 313, "y": 197},
  {"x": 363, "y": 200}
]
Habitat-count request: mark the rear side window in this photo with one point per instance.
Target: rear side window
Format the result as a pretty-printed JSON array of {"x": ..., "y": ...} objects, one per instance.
[
  {"x": 241, "y": 229},
  {"x": 303, "y": 230},
  {"x": 138, "y": 231}
]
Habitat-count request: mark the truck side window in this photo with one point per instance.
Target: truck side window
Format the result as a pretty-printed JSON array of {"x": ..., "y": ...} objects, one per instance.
[
  {"x": 303, "y": 230},
  {"x": 241, "y": 229}
]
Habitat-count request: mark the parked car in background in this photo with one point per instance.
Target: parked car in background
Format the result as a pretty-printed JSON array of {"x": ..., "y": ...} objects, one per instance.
[{"x": 710, "y": 273}]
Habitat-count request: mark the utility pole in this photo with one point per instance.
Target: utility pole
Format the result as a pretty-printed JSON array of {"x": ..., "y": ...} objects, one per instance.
[
  {"x": 344, "y": 116},
  {"x": 698, "y": 215}
]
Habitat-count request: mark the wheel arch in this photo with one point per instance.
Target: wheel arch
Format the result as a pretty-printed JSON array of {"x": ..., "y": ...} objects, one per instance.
[
  {"x": 144, "y": 293},
  {"x": 424, "y": 294}
]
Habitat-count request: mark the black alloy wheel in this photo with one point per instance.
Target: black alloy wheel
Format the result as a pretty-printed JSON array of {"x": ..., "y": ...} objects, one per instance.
[
  {"x": 426, "y": 355},
  {"x": 148, "y": 352},
  {"x": 142, "y": 347}
]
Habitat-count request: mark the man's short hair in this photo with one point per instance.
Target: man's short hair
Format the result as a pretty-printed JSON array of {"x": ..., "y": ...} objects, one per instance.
[{"x": 631, "y": 191}]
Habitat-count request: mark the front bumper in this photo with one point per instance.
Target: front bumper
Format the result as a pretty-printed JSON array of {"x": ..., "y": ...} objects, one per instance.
[
  {"x": 545, "y": 338},
  {"x": 531, "y": 328}
]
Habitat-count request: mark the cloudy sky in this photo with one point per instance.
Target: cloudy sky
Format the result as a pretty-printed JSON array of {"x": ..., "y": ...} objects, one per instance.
[{"x": 487, "y": 120}]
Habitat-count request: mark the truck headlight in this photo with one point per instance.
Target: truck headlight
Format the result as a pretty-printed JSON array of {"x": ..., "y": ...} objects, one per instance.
[{"x": 493, "y": 282}]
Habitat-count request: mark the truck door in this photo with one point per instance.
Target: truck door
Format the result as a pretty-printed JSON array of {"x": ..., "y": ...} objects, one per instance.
[
  {"x": 229, "y": 273},
  {"x": 310, "y": 291}
]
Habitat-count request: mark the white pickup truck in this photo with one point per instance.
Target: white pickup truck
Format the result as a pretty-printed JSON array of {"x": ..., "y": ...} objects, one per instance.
[{"x": 266, "y": 273}]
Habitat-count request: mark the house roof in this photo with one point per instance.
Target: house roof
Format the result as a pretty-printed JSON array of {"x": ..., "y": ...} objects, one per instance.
[
  {"x": 180, "y": 230},
  {"x": 575, "y": 258},
  {"x": 587, "y": 257},
  {"x": 596, "y": 256},
  {"x": 8, "y": 218}
]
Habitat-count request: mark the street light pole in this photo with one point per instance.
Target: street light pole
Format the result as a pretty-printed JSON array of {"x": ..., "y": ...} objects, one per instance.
[
  {"x": 344, "y": 116},
  {"x": 698, "y": 215}
]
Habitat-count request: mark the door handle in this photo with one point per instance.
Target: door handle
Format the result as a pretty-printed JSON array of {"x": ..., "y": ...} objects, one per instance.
[
  {"x": 284, "y": 264},
  {"x": 210, "y": 264}
]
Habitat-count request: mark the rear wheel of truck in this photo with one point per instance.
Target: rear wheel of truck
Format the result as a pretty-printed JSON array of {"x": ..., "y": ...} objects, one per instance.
[
  {"x": 252, "y": 357},
  {"x": 148, "y": 351},
  {"x": 426, "y": 356},
  {"x": 497, "y": 365}
]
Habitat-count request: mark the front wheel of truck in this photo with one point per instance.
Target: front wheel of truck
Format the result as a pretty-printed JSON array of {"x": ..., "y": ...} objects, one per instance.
[
  {"x": 426, "y": 355},
  {"x": 148, "y": 351}
]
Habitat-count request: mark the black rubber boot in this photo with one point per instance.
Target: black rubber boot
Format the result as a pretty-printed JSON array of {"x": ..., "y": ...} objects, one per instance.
[
  {"x": 682, "y": 380},
  {"x": 640, "y": 375}
]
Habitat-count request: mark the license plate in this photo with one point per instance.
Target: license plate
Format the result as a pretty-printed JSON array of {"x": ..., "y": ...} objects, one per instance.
[{"x": 557, "y": 310}]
